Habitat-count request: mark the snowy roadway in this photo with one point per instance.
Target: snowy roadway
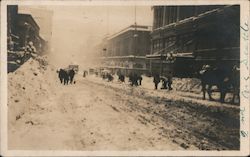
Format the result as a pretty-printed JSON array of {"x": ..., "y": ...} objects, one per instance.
[
  {"x": 97, "y": 115},
  {"x": 86, "y": 116}
]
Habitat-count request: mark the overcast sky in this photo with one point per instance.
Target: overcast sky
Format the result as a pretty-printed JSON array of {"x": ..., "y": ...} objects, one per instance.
[{"x": 77, "y": 29}]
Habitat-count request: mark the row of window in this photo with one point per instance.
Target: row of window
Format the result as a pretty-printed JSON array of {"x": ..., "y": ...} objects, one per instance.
[
  {"x": 126, "y": 64},
  {"x": 182, "y": 43},
  {"x": 187, "y": 42},
  {"x": 164, "y": 15}
]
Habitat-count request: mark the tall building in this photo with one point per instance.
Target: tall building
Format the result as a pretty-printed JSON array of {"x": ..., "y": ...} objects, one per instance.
[
  {"x": 43, "y": 16},
  {"x": 125, "y": 51},
  {"x": 22, "y": 32},
  {"x": 195, "y": 35}
]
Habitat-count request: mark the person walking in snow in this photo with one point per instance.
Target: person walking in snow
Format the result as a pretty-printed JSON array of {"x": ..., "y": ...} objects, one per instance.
[
  {"x": 156, "y": 80},
  {"x": 71, "y": 75},
  {"x": 139, "y": 78},
  {"x": 164, "y": 82},
  {"x": 170, "y": 83}
]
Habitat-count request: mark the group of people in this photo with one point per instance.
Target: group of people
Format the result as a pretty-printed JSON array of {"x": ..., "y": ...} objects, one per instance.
[
  {"x": 66, "y": 76},
  {"x": 166, "y": 82},
  {"x": 107, "y": 76},
  {"x": 135, "y": 79},
  {"x": 209, "y": 76}
]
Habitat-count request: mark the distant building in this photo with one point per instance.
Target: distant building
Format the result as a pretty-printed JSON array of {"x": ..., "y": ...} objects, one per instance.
[
  {"x": 22, "y": 32},
  {"x": 22, "y": 28},
  {"x": 11, "y": 26},
  {"x": 195, "y": 35},
  {"x": 125, "y": 51},
  {"x": 43, "y": 16}
]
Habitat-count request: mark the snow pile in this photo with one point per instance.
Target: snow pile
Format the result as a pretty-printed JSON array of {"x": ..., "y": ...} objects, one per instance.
[
  {"x": 187, "y": 84},
  {"x": 43, "y": 61},
  {"x": 29, "y": 85}
]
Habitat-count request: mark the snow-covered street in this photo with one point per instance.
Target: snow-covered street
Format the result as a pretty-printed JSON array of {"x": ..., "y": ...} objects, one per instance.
[{"x": 97, "y": 115}]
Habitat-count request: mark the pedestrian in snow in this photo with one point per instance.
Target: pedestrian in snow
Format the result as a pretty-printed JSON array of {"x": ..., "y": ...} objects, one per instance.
[
  {"x": 131, "y": 78},
  {"x": 110, "y": 77},
  {"x": 170, "y": 82},
  {"x": 60, "y": 75},
  {"x": 135, "y": 79},
  {"x": 71, "y": 75},
  {"x": 164, "y": 82},
  {"x": 63, "y": 76},
  {"x": 84, "y": 74},
  {"x": 139, "y": 79},
  {"x": 156, "y": 80},
  {"x": 121, "y": 78}
]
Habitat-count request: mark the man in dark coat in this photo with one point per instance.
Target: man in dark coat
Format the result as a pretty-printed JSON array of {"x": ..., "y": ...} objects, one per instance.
[
  {"x": 60, "y": 75},
  {"x": 170, "y": 83},
  {"x": 71, "y": 75},
  {"x": 156, "y": 80},
  {"x": 139, "y": 79},
  {"x": 164, "y": 82},
  {"x": 121, "y": 78},
  {"x": 63, "y": 76}
]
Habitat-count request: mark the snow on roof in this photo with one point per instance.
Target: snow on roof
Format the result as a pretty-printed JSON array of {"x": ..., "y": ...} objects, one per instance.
[
  {"x": 186, "y": 20},
  {"x": 132, "y": 27},
  {"x": 122, "y": 57},
  {"x": 190, "y": 54}
]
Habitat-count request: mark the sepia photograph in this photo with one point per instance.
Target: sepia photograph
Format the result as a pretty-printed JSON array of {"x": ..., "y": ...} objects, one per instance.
[{"x": 125, "y": 77}]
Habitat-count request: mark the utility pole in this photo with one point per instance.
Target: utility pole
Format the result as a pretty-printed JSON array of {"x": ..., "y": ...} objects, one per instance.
[{"x": 135, "y": 33}]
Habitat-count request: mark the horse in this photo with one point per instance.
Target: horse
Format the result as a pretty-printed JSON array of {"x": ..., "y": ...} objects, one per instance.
[
  {"x": 222, "y": 78},
  {"x": 235, "y": 82}
]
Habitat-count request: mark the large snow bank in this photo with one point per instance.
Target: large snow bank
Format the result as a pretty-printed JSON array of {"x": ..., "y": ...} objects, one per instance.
[
  {"x": 187, "y": 84},
  {"x": 28, "y": 85}
]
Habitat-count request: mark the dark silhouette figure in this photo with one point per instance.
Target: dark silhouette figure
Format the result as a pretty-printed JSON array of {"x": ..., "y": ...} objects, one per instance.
[
  {"x": 121, "y": 78},
  {"x": 156, "y": 80},
  {"x": 71, "y": 75},
  {"x": 219, "y": 77},
  {"x": 164, "y": 82},
  {"x": 60, "y": 75},
  {"x": 63, "y": 76},
  {"x": 133, "y": 78},
  {"x": 110, "y": 77},
  {"x": 170, "y": 83},
  {"x": 139, "y": 78},
  {"x": 235, "y": 82}
]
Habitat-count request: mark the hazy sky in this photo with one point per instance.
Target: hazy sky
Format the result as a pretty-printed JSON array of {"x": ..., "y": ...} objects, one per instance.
[{"x": 77, "y": 29}]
